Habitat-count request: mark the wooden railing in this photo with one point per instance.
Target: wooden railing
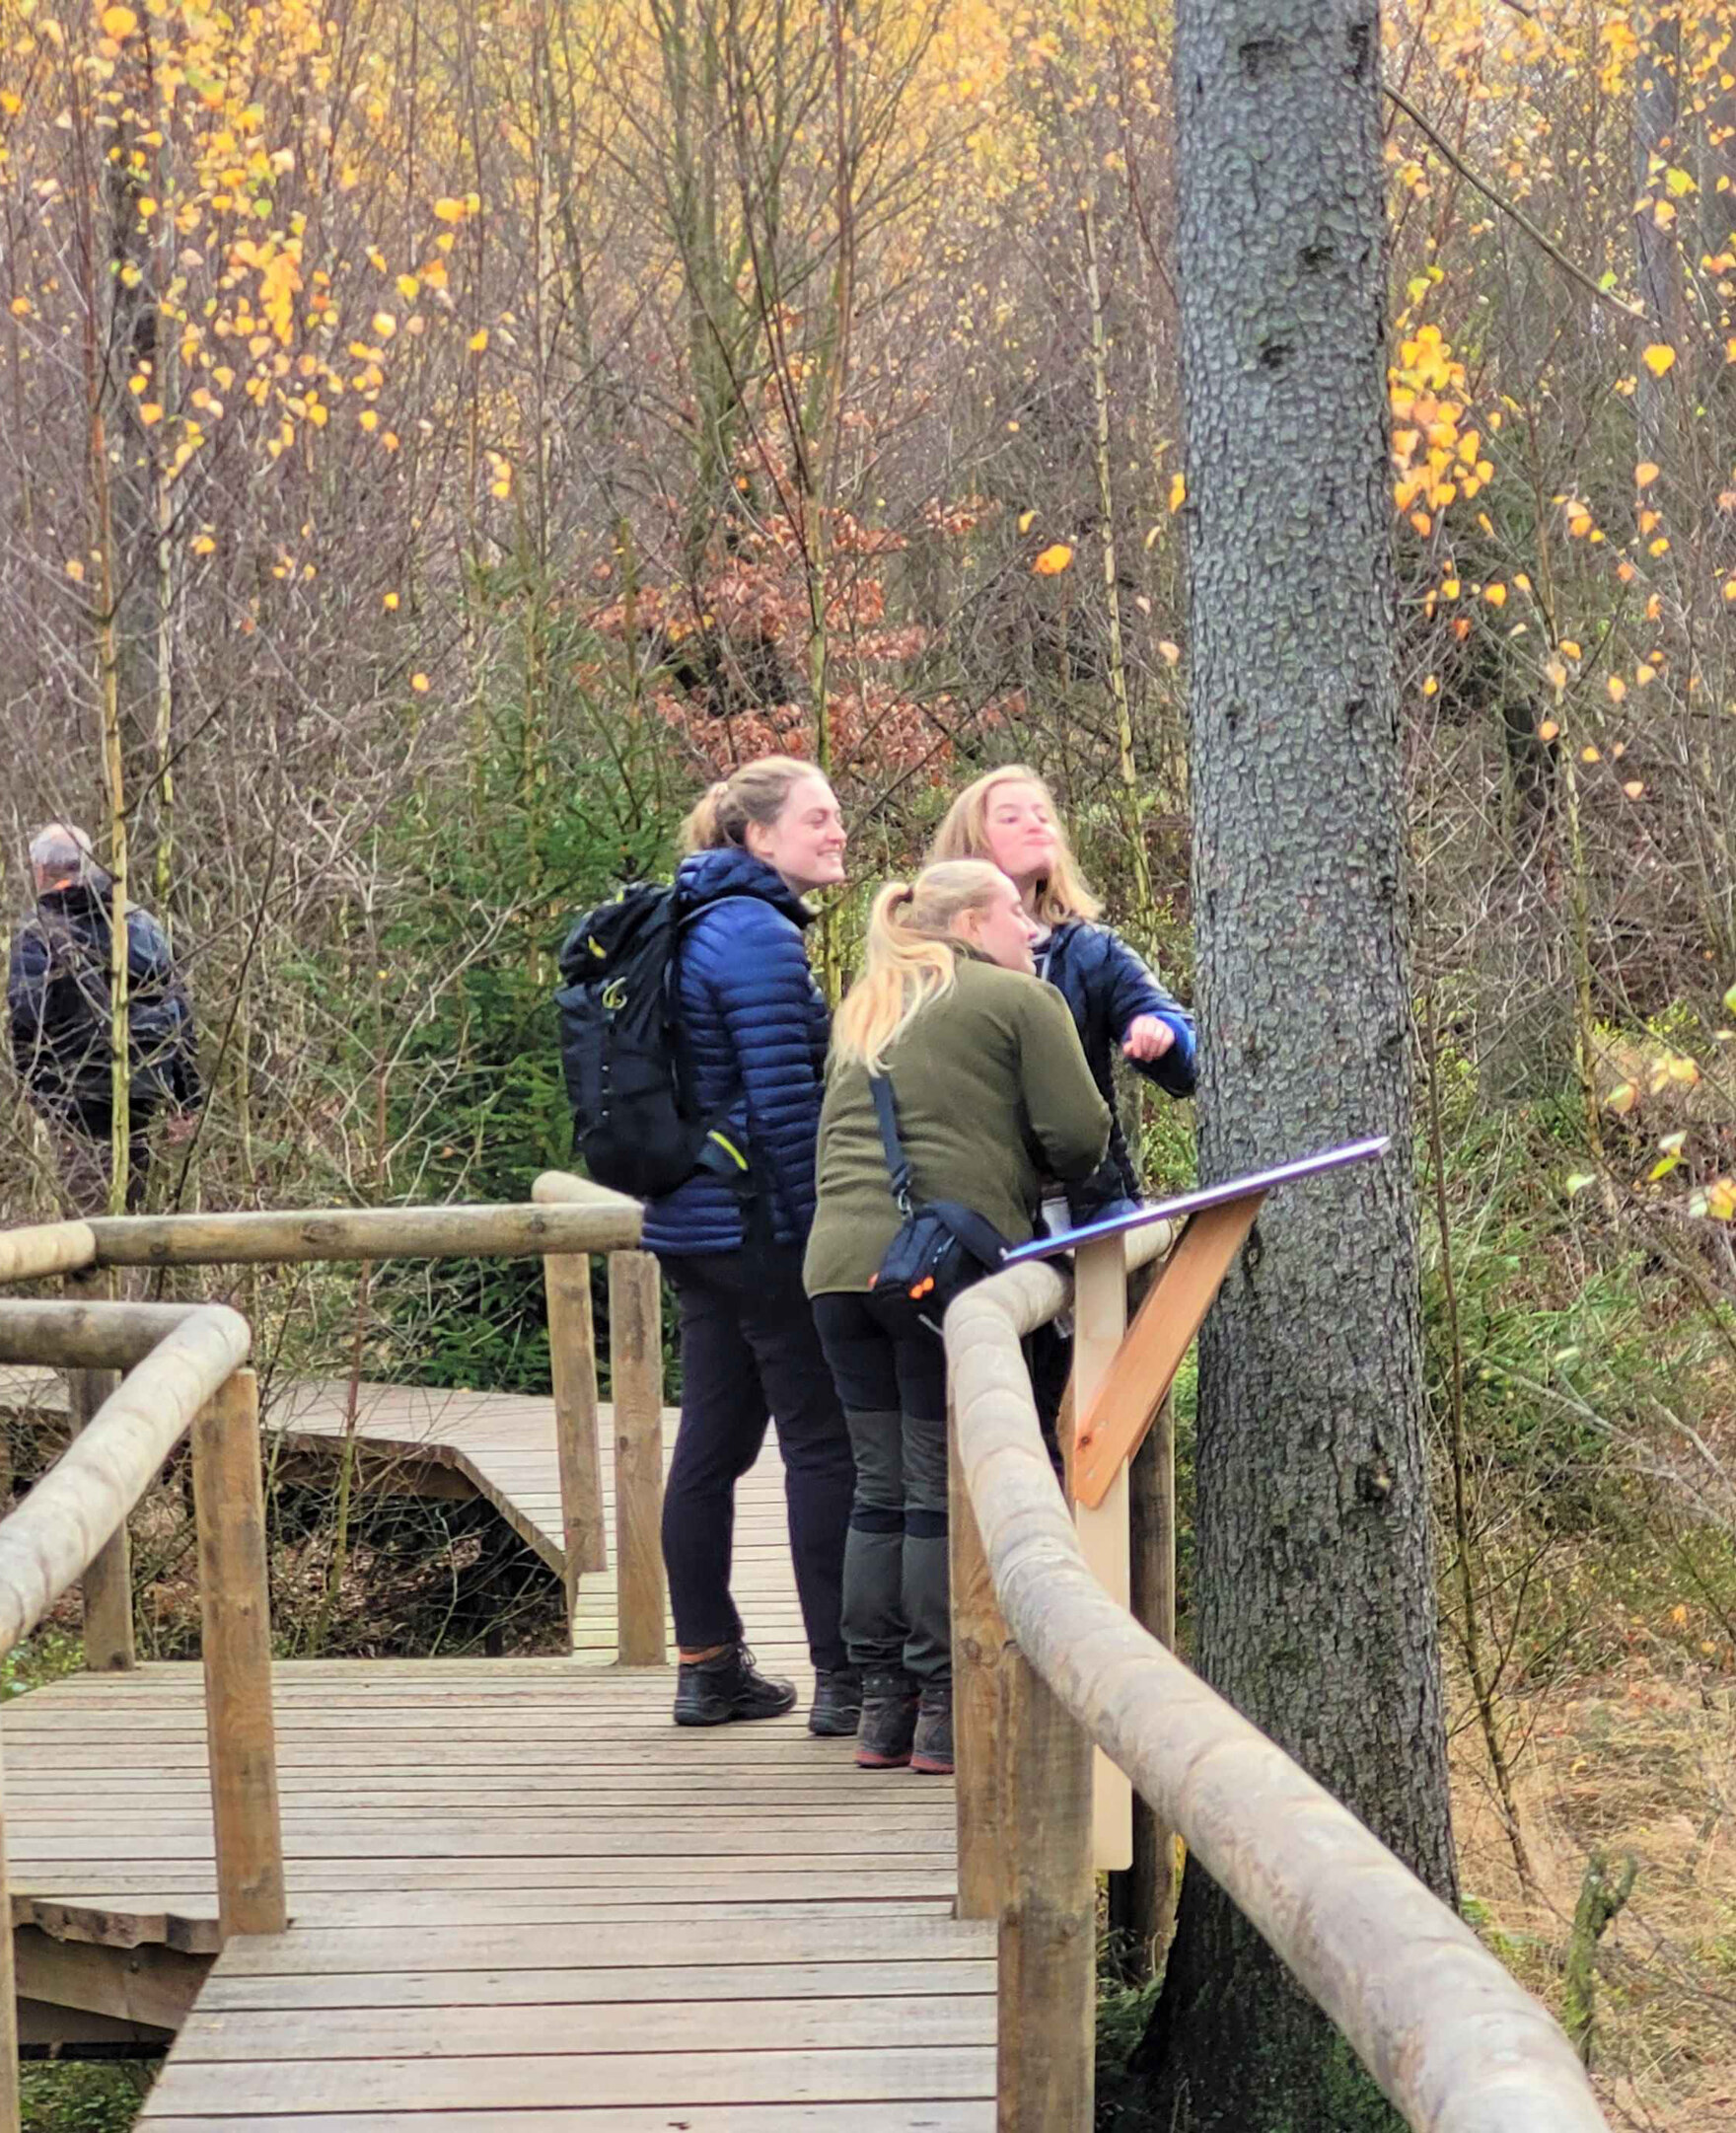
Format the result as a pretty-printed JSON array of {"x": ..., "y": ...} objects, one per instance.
[
  {"x": 1049, "y": 1666},
  {"x": 635, "y": 1356},
  {"x": 186, "y": 1369}
]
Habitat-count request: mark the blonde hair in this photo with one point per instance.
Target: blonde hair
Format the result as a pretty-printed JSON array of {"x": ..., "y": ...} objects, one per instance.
[
  {"x": 1062, "y": 893},
  {"x": 757, "y": 792},
  {"x": 911, "y": 957}
]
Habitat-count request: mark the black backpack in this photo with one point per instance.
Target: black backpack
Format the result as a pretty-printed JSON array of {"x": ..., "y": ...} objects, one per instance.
[{"x": 635, "y": 1121}]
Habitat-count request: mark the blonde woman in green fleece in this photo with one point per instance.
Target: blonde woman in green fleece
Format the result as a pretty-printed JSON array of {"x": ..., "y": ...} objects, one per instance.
[{"x": 992, "y": 1095}]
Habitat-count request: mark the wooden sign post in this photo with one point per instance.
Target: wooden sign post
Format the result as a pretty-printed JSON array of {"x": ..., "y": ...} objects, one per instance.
[{"x": 1100, "y": 1319}]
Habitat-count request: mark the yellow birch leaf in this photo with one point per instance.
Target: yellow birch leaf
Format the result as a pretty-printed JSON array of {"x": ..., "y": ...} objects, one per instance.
[
  {"x": 1178, "y": 491},
  {"x": 1634, "y": 788},
  {"x": 1658, "y": 357},
  {"x": 1025, "y": 521},
  {"x": 1646, "y": 474},
  {"x": 118, "y": 23},
  {"x": 419, "y": 683},
  {"x": 1591, "y": 753},
  {"x": 1054, "y": 560},
  {"x": 478, "y": 341},
  {"x": 1496, "y": 595},
  {"x": 1171, "y": 652},
  {"x": 1617, "y": 688},
  {"x": 1555, "y": 673},
  {"x": 1549, "y": 730}
]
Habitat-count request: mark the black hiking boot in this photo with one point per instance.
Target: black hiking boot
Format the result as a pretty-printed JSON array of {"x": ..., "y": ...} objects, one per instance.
[
  {"x": 931, "y": 1752},
  {"x": 837, "y": 1703},
  {"x": 888, "y": 1722},
  {"x": 711, "y": 1692}
]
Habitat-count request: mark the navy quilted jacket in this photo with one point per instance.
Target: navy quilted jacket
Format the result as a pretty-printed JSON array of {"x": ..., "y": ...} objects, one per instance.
[
  {"x": 755, "y": 1030},
  {"x": 1109, "y": 986}
]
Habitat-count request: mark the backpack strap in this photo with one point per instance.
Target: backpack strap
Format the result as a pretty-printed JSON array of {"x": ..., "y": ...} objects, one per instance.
[{"x": 896, "y": 1161}]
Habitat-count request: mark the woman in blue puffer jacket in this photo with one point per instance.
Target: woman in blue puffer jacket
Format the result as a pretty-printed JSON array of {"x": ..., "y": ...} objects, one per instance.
[
  {"x": 1008, "y": 817},
  {"x": 731, "y": 1240}
]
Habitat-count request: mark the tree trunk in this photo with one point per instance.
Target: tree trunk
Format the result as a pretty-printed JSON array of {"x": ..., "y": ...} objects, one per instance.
[{"x": 1317, "y": 1611}]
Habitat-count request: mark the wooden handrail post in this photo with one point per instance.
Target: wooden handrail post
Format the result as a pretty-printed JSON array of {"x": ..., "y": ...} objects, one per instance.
[
  {"x": 572, "y": 1359},
  {"x": 108, "y": 1580},
  {"x": 10, "y": 2113},
  {"x": 1100, "y": 1320},
  {"x": 635, "y": 1368},
  {"x": 235, "y": 1607},
  {"x": 979, "y": 1649},
  {"x": 1142, "y": 1901},
  {"x": 1045, "y": 2055}
]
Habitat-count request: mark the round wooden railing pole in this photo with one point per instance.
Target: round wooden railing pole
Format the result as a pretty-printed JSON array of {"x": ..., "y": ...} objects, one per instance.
[
  {"x": 635, "y": 1364},
  {"x": 332, "y": 1233},
  {"x": 106, "y": 1587},
  {"x": 86, "y": 1496},
  {"x": 1047, "y": 2011},
  {"x": 27, "y": 1255},
  {"x": 1454, "y": 2042},
  {"x": 979, "y": 1649},
  {"x": 572, "y": 1356},
  {"x": 235, "y": 1607},
  {"x": 79, "y": 1334},
  {"x": 10, "y": 2114}
]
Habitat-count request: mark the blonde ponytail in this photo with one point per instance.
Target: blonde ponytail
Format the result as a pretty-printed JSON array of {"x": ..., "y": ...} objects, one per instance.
[
  {"x": 1063, "y": 892},
  {"x": 910, "y": 956},
  {"x": 757, "y": 792}
]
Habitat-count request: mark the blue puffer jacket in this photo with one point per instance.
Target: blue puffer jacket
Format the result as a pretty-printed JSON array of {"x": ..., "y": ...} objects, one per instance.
[
  {"x": 1108, "y": 987},
  {"x": 755, "y": 1030}
]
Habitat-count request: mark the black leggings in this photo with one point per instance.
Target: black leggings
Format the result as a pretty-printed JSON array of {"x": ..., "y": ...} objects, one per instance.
[
  {"x": 749, "y": 1353},
  {"x": 896, "y": 1615}
]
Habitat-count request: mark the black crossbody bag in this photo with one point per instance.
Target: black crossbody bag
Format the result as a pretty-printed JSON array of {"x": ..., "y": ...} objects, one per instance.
[{"x": 941, "y": 1247}]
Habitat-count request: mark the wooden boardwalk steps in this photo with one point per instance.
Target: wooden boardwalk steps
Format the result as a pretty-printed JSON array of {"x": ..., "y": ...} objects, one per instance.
[{"x": 521, "y": 1899}]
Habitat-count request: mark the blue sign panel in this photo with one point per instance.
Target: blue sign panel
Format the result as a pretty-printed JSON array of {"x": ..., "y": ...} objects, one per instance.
[{"x": 1204, "y": 1196}]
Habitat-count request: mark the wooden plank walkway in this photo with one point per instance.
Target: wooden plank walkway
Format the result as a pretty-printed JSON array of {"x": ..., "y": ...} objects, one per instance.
[
  {"x": 520, "y": 1898},
  {"x": 502, "y": 1445}
]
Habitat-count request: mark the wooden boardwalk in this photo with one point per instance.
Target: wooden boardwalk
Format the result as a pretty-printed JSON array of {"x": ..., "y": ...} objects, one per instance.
[
  {"x": 522, "y": 1899},
  {"x": 501, "y": 1447}
]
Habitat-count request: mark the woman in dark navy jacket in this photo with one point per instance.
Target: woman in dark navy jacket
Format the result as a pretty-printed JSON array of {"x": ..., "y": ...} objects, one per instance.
[
  {"x": 1008, "y": 818},
  {"x": 755, "y": 1028}
]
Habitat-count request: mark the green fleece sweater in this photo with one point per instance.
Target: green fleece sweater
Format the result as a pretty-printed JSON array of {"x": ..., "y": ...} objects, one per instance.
[{"x": 993, "y": 1094}]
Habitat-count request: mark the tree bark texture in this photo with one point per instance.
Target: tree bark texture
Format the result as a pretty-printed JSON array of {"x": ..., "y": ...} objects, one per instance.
[{"x": 1316, "y": 1614}]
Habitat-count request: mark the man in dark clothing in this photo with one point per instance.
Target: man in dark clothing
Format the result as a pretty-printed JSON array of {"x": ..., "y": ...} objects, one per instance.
[{"x": 59, "y": 999}]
